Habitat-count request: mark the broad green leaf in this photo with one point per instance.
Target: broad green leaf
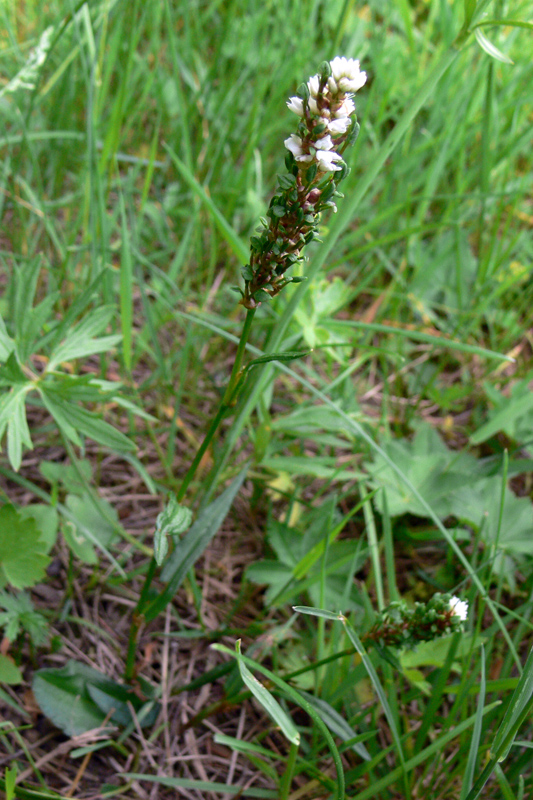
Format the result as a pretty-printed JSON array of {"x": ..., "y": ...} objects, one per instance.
[
  {"x": 173, "y": 520},
  {"x": 23, "y": 559},
  {"x": 47, "y": 521},
  {"x": 94, "y": 515},
  {"x": 77, "y": 699},
  {"x": 192, "y": 545},
  {"x": 489, "y": 48},
  {"x": 268, "y": 701},
  {"x": 67, "y": 475},
  {"x": 9, "y": 672}
]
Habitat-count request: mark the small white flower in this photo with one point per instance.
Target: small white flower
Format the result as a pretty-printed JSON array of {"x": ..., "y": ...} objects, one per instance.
[
  {"x": 296, "y": 105},
  {"x": 346, "y": 108},
  {"x": 313, "y": 107},
  {"x": 459, "y": 608},
  {"x": 347, "y": 74},
  {"x": 340, "y": 125},
  {"x": 294, "y": 144},
  {"x": 313, "y": 84},
  {"x": 326, "y": 160},
  {"x": 332, "y": 86},
  {"x": 326, "y": 143}
]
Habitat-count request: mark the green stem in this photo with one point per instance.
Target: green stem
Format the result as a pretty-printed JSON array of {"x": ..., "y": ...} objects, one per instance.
[
  {"x": 286, "y": 779},
  {"x": 229, "y": 395},
  {"x": 227, "y": 400}
]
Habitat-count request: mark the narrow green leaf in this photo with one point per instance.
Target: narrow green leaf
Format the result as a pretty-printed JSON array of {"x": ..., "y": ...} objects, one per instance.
[
  {"x": 288, "y": 356},
  {"x": 319, "y": 612},
  {"x": 71, "y": 418},
  {"x": 511, "y": 23},
  {"x": 269, "y": 703},
  {"x": 126, "y": 289},
  {"x": 18, "y": 433},
  {"x": 432, "y": 751},
  {"x": 202, "y": 786},
  {"x": 476, "y": 734},
  {"x": 518, "y": 708},
  {"x": 6, "y": 342},
  {"x": 490, "y": 48}
]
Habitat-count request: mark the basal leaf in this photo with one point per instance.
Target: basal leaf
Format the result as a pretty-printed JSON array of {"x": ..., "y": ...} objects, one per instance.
[{"x": 78, "y": 698}]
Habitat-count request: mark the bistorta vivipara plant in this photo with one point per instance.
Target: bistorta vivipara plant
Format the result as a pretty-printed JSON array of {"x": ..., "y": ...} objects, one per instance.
[{"x": 327, "y": 126}]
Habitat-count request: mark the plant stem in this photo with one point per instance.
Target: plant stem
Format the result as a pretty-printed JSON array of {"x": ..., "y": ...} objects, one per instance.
[{"x": 227, "y": 400}]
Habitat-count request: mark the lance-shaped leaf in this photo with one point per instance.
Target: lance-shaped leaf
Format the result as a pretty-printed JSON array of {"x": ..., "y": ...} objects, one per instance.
[{"x": 266, "y": 699}]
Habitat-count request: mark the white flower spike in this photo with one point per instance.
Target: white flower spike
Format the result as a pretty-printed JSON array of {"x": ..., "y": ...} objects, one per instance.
[
  {"x": 459, "y": 608},
  {"x": 326, "y": 127}
]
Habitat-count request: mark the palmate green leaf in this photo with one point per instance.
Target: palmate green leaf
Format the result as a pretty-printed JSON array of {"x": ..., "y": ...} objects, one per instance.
[
  {"x": 23, "y": 559},
  {"x": 80, "y": 340},
  {"x": 72, "y": 420},
  {"x": 19, "y": 614},
  {"x": 266, "y": 699}
]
